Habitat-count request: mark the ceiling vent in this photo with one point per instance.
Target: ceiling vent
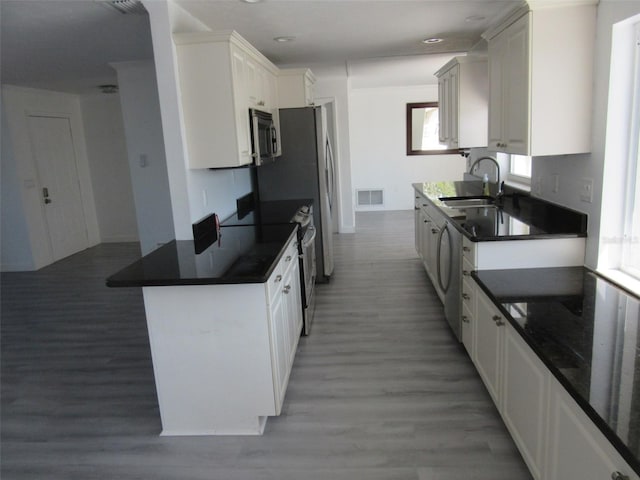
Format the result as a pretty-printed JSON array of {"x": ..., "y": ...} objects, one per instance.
[{"x": 134, "y": 7}]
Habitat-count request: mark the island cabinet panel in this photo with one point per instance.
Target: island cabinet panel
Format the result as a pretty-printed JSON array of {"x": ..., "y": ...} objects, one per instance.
[
  {"x": 222, "y": 354},
  {"x": 540, "y": 80},
  {"x": 576, "y": 448}
]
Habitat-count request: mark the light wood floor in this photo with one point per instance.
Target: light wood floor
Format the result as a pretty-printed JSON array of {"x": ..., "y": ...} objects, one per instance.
[{"x": 380, "y": 390}]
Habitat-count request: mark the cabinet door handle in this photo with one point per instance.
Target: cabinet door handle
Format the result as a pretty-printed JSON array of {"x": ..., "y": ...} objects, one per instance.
[
  {"x": 466, "y": 296},
  {"x": 286, "y": 288},
  {"x": 435, "y": 230},
  {"x": 619, "y": 476},
  {"x": 278, "y": 279},
  {"x": 466, "y": 273},
  {"x": 288, "y": 259},
  {"x": 466, "y": 249},
  {"x": 498, "y": 320},
  {"x": 465, "y": 319}
]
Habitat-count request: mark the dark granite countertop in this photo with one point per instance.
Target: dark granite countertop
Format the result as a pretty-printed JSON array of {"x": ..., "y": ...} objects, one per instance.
[
  {"x": 268, "y": 213},
  {"x": 587, "y": 331},
  {"x": 244, "y": 254},
  {"x": 519, "y": 216}
]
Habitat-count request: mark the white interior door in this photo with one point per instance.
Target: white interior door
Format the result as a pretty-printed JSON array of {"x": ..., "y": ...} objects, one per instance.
[{"x": 52, "y": 144}]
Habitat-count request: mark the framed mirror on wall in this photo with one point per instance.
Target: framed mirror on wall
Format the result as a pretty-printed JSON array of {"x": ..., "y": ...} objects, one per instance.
[{"x": 422, "y": 130}]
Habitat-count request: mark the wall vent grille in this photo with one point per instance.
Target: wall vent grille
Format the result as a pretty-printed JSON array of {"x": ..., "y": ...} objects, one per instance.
[
  {"x": 370, "y": 197},
  {"x": 134, "y": 7}
]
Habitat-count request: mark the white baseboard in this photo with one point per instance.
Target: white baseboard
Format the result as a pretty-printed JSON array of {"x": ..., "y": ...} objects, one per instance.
[
  {"x": 119, "y": 239},
  {"x": 17, "y": 267}
]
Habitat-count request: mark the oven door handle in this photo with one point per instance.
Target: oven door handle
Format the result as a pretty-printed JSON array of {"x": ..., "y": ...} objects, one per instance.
[{"x": 308, "y": 241}]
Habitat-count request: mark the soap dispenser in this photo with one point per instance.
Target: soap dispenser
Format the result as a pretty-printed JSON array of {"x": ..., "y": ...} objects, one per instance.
[{"x": 485, "y": 184}]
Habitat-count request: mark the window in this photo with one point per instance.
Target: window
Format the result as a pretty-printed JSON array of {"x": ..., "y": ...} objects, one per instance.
[
  {"x": 423, "y": 130},
  {"x": 631, "y": 234},
  {"x": 520, "y": 168},
  {"x": 619, "y": 239}
]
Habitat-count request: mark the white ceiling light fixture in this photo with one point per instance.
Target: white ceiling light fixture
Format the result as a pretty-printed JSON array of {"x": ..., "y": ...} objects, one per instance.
[
  {"x": 251, "y": 1},
  {"x": 108, "y": 88},
  {"x": 432, "y": 40},
  {"x": 284, "y": 39}
]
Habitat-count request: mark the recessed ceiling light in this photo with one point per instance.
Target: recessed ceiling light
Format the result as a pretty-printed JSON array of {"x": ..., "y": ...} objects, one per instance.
[
  {"x": 475, "y": 18},
  {"x": 108, "y": 88},
  {"x": 251, "y": 1},
  {"x": 432, "y": 40},
  {"x": 284, "y": 39}
]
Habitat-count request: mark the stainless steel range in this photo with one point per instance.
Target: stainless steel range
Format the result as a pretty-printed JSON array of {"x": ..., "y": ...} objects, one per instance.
[
  {"x": 301, "y": 212},
  {"x": 308, "y": 270}
]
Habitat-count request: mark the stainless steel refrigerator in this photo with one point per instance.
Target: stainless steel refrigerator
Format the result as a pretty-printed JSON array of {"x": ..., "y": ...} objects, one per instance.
[{"x": 305, "y": 170}]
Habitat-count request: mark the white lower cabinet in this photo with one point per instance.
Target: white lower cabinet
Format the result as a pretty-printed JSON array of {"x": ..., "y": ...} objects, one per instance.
[
  {"x": 576, "y": 448},
  {"x": 488, "y": 345},
  {"x": 222, "y": 354},
  {"x": 524, "y": 399},
  {"x": 556, "y": 439},
  {"x": 286, "y": 320}
]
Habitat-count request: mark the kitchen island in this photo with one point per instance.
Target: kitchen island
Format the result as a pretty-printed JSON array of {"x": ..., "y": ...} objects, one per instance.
[
  {"x": 564, "y": 369},
  {"x": 224, "y": 325}
]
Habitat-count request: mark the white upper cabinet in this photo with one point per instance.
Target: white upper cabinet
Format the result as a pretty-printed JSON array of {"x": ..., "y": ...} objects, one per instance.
[
  {"x": 540, "y": 80},
  {"x": 221, "y": 76},
  {"x": 295, "y": 88},
  {"x": 463, "y": 98}
]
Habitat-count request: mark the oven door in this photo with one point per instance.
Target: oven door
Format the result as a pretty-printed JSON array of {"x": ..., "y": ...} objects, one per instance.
[{"x": 308, "y": 252}]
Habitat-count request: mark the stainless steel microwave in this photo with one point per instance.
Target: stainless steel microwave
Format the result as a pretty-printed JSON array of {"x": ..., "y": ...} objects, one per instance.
[{"x": 264, "y": 137}]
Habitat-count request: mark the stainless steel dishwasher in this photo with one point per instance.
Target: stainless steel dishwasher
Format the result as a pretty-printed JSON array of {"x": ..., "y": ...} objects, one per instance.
[{"x": 448, "y": 274}]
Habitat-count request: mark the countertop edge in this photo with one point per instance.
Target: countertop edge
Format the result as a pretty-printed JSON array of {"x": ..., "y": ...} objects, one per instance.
[
  {"x": 419, "y": 189},
  {"x": 615, "y": 441},
  {"x": 111, "y": 283}
]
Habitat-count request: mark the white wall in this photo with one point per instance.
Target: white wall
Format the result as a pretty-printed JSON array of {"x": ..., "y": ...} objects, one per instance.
[
  {"x": 108, "y": 161},
  {"x": 572, "y": 168},
  {"x": 377, "y": 126},
  {"x": 145, "y": 151},
  {"x": 15, "y": 247},
  {"x": 332, "y": 84},
  {"x": 194, "y": 193},
  {"x": 18, "y": 103}
]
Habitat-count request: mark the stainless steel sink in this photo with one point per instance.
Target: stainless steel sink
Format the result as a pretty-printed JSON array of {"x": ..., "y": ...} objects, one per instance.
[{"x": 467, "y": 202}]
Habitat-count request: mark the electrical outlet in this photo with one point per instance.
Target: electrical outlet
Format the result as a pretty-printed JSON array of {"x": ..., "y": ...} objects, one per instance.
[
  {"x": 538, "y": 185},
  {"x": 586, "y": 190},
  {"x": 205, "y": 200}
]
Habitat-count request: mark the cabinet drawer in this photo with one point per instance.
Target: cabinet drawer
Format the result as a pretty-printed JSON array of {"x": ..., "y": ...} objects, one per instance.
[
  {"x": 468, "y": 321},
  {"x": 468, "y": 294},
  {"x": 469, "y": 252},
  {"x": 274, "y": 284},
  {"x": 289, "y": 258},
  {"x": 467, "y": 267}
]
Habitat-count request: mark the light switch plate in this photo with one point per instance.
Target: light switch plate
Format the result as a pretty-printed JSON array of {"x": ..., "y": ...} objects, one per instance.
[{"x": 586, "y": 190}]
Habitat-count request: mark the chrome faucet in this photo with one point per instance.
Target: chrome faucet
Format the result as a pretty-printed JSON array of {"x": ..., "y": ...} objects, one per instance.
[{"x": 475, "y": 164}]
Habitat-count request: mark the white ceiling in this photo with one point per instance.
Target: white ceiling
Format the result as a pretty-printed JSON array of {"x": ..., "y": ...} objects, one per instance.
[{"x": 67, "y": 44}]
